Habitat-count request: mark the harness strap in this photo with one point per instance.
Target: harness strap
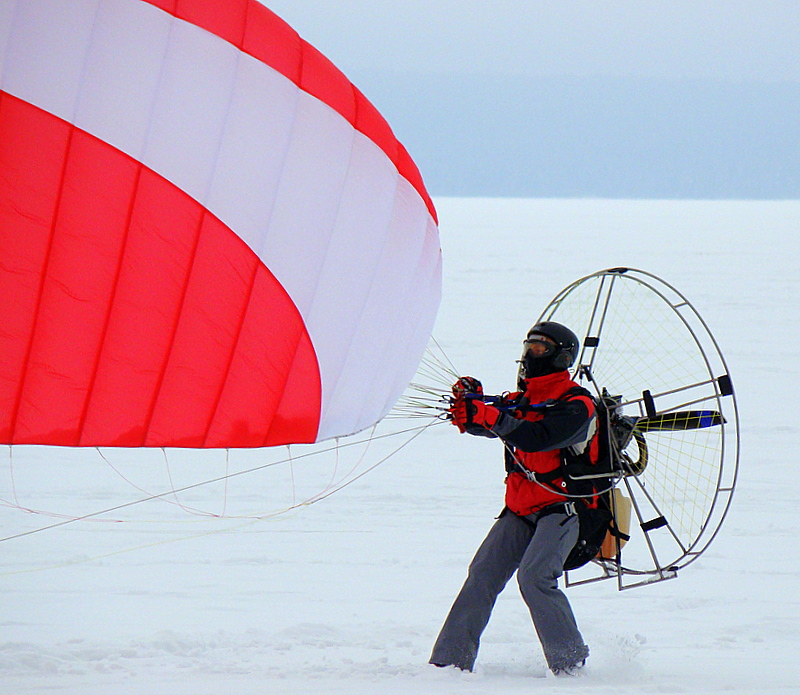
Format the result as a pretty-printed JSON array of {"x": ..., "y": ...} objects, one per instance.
[{"x": 567, "y": 508}]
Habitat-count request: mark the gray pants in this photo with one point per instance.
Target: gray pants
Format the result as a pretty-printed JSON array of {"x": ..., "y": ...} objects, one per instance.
[{"x": 536, "y": 549}]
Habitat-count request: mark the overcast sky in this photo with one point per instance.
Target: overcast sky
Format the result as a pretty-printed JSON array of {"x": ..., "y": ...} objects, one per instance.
[
  {"x": 676, "y": 39},
  {"x": 578, "y": 98}
]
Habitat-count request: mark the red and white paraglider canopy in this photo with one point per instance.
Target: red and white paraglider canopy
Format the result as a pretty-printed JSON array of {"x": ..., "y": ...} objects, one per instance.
[{"x": 208, "y": 236}]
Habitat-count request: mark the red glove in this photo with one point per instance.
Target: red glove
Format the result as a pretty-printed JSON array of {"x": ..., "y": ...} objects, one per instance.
[
  {"x": 473, "y": 415},
  {"x": 467, "y": 384}
]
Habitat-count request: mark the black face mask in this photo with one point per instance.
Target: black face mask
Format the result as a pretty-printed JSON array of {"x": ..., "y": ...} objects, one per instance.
[{"x": 537, "y": 366}]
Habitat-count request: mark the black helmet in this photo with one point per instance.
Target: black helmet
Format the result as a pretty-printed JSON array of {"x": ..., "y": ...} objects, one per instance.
[{"x": 548, "y": 348}]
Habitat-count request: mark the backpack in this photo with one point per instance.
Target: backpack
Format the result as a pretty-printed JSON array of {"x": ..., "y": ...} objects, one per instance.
[{"x": 597, "y": 523}]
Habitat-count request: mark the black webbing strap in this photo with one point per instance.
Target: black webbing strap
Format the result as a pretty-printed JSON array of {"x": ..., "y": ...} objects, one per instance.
[
  {"x": 653, "y": 524},
  {"x": 567, "y": 508}
]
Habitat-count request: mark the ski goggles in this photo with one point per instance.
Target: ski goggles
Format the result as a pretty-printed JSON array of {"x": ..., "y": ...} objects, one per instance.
[{"x": 538, "y": 346}]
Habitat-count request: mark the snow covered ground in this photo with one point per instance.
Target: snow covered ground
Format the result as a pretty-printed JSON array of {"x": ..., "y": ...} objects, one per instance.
[{"x": 347, "y": 595}]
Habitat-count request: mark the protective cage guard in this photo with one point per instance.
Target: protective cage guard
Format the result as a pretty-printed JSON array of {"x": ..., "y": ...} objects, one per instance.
[{"x": 650, "y": 356}]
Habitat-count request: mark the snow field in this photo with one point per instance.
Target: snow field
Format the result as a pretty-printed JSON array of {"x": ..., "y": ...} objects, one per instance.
[{"x": 348, "y": 594}]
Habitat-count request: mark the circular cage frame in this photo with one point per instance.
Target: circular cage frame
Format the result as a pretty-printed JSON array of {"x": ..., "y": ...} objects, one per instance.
[{"x": 655, "y": 516}]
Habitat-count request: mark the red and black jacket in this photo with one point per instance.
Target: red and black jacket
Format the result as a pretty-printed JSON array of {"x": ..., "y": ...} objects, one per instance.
[{"x": 548, "y": 420}]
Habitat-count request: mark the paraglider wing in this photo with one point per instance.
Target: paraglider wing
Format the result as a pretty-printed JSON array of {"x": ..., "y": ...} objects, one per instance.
[{"x": 208, "y": 236}]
